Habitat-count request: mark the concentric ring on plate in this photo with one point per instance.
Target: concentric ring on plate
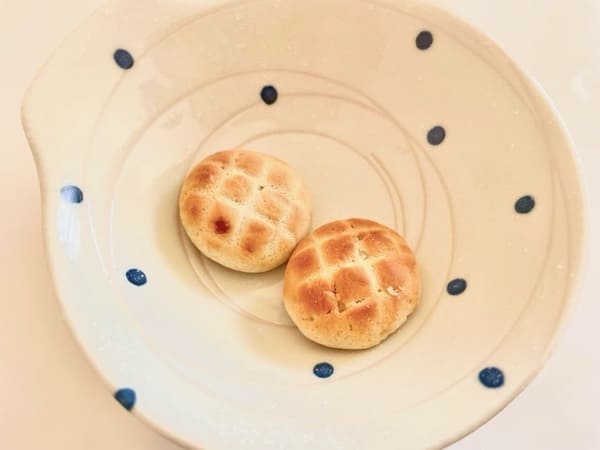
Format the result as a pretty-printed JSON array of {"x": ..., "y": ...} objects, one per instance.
[{"x": 298, "y": 141}]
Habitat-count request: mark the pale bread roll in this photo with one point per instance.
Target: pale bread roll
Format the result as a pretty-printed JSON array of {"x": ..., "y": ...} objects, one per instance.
[
  {"x": 245, "y": 210},
  {"x": 351, "y": 283}
]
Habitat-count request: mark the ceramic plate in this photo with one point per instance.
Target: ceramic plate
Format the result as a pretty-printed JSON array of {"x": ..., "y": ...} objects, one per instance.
[{"x": 389, "y": 110}]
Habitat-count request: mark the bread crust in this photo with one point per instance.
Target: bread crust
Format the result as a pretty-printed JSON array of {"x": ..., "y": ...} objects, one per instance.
[
  {"x": 351, "y": 283},
  {"x": 245, "y": 210}
]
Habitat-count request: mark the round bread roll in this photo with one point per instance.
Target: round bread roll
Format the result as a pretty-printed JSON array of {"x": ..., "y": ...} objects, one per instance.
[
  {"x": 245, "y": 210},
  {"x": 351, "y": 283}
]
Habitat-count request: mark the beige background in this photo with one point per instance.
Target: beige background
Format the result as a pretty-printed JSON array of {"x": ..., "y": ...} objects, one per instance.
[{"x": 50, "y": 397}]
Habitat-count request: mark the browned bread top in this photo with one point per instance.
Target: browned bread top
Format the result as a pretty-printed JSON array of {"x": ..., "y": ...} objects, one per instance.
[
  {"x": 245, "y": 210},
  {"x": 351, "y": 283}
]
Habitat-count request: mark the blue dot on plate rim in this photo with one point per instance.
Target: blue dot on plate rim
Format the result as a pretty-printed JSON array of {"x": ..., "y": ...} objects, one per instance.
[
  {"x": 436, "y": 135},
  {"x": 323, "y": 370},
  {"x": 269, "y": 94},
  {"x": 525, "y": 204},
  {"x": 491, "y": 377},
  {"x": 457, "y": 286},
  {"x": 123, "y": 58},
  {"x": 136, "y": 277},
  {"x": 424, "y": 40},
  {"x": 126, "y": 397},
  {"x": 71, "y": 194}
]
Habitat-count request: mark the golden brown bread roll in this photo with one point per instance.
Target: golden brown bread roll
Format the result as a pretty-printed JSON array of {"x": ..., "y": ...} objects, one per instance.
[
  {"x": 351, "y": 283},
  {"x": 245, "y": 210}
]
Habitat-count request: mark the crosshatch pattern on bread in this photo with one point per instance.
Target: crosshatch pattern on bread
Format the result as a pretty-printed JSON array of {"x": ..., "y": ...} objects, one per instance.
[
  {"x": 245, "y": 210},
  {"x": 351, "y": 283}
]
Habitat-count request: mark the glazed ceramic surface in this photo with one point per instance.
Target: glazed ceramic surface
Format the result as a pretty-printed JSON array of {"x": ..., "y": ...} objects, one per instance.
[{"x": 391, "y": 111}]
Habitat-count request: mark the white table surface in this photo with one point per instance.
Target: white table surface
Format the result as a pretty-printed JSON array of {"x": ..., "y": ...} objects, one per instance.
[{"x": 50, "y": 396}]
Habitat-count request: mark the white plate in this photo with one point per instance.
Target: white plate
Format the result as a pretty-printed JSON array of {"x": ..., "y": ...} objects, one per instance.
[{"x": 210, "y": 354}]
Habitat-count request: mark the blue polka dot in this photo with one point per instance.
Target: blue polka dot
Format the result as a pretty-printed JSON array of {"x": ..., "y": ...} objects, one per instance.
[
  {"x": 457, "y": 286},
  {"x": 424, "y": 40},
  {"x": 491, "y": 377},
  {"x": 323, "y": 370},
  {"x": 436, "y": 135},
  {"x": 136, "y": 276},
  {"x": 126, "y": 397},
  {"x": 123, "y": 59},
  {"x": 525, "y": 204},
  {"x": 269, "y": 95},
  {"x": 71, "y": 194}
]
